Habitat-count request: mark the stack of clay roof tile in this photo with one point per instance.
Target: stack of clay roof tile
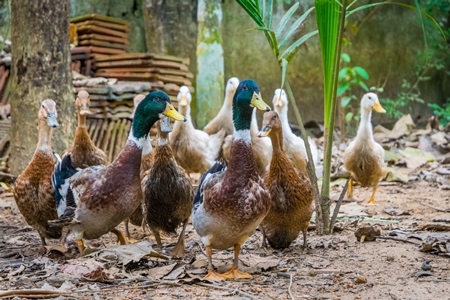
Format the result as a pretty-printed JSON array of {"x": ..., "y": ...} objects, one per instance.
[
  {"x": 97, "y": 35},
  {"x": 145, "y": 67}
]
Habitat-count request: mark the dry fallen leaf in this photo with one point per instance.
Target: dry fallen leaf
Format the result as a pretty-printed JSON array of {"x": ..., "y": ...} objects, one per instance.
[{"x": 90, "y": 269}]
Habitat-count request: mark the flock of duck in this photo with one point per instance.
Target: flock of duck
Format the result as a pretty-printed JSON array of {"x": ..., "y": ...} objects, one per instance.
[{"x": 248, "y": 181}]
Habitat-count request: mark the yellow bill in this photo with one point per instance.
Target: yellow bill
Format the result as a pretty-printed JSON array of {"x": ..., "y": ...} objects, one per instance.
[
  {"x": 172, "y": 113},
  {"x": 378, "y": 108},
  {"x": 258, "y": 102},
  {"x": 278, "y": 101},
  {"x": 85, "y": 111}
]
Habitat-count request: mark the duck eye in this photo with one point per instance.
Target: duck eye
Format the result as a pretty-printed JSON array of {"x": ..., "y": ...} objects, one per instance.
[
  {"x": 43, "y": 106},
  {"x": 370, "y": 98},
  {"x": 156, "y": 98},
  {"x": 245, "y": 88}
]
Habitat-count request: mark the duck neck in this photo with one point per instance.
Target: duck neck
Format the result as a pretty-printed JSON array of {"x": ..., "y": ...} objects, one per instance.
[
  {"x": 163, "y": 138},
  {"x": 81, "y": 119},
  {"x": 44, "y": 136},
  {"x": 365, "y": 126},
  {"x": 276, "y": 136},
  {"x": 185, "y": 110},
  {"x": 283, "y": 113}
]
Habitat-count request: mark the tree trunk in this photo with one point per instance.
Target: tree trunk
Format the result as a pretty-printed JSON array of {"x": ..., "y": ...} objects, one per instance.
[
  {"x": 40, "y": 70},
  {"x": 171, "y": 28},
  {"x": 210, "y": 63}
]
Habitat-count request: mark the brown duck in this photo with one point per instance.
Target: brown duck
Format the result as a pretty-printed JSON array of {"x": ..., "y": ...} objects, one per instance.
[
  {"x": 167, "y": 192},
  {"x": 291, "y": 192},
  {"x": 33, "y": 190}
]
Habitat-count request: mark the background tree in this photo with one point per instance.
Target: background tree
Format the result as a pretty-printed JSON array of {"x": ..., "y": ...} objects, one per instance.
[{"x": 40, "y": 70}]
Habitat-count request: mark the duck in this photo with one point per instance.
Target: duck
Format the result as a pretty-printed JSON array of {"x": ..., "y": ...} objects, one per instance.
[
  {"x": 83, "y": 151},
  {"x": 167, "y": 192},
  {"x": 232, "y": 200},
  {"x": 137, "y": 217},
  {"x": 364, "y": 158},
  {"x": 291, "y": 191},
  {"x": 33, "y": 190},
  {"x": 96, "y": 199},
  {"x": 262, "y": 148},
  {"x": 293, "y": 145},
  {"x": 194, "y": 150},
  {"x": 224, "y": 119}
]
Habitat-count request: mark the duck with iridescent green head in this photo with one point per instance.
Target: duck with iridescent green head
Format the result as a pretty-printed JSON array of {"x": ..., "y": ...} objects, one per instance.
[
  {"x": 232, "y": 200},
  {"x": 93, "y": 201}
]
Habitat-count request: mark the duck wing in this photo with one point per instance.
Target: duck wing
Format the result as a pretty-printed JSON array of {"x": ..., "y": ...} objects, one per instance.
[{"x": 210, "y": 178}]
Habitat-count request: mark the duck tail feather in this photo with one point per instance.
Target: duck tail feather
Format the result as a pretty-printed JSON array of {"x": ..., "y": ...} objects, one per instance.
[{"x": 63, "y": 170}]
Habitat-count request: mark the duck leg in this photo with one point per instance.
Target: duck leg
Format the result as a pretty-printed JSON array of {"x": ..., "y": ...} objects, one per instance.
[
  {"x": 158, "y": 239},
  {"x": 43, "y": 240},
  {"x": 81, "y": 246},
  {"x": 350, "y": 188},
  {"x": 264, "y": 239},
  {"x": 127, "y": 230},
  {"x": 212, "y": 275},
  {"x": 372, "y": 199},
  {"x": 121, "y": 238},
  {"x": 234, "y": 272},
  {"x": 178, "y": 250},
  {"x": 304, "y": 238}
]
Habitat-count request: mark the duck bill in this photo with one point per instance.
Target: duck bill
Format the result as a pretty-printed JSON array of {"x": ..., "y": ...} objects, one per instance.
[
  {"x": 84, "y": 111},
  {"x": 172, "y": 113},
  {"x": 378, "y": 108},
  {"x": 277, "y": 101},
  {"x": 258, "y": 102},
  {"x": 265, "y": 131},
  {"x": 51, "y": 120},
  {"x": 183, "y": 101},
  {"x": 165, "y": 125}
]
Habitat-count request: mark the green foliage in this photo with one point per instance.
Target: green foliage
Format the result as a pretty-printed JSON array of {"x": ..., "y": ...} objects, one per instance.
[{"x": 442, "y": 112}]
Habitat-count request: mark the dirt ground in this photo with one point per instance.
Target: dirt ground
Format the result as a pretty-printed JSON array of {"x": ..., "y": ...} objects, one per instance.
[{"x": 329, "y": 268}]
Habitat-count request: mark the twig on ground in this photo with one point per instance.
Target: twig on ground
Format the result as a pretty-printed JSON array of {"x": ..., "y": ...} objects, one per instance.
[
  {"x": 338, "y": 206},
  {"x": 438, "y": 209},
  {"x": 236, "y": 290},
  {"x": 289, "y": 288},
  {"x": 396, "y": 239}
]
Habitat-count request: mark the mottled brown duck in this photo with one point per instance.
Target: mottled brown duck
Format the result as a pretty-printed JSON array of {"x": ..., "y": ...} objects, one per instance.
[
  {"x": 167, "y": 192},
  {"x": 33, "y": 190},
  {"x": 291, "y": 192},
  {"x": 232, "y": 201},
  {"x": 97, "y": 199}
]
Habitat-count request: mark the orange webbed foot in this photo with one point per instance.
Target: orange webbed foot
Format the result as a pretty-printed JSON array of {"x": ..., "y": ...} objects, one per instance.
[{"x": 236, "y": 274}]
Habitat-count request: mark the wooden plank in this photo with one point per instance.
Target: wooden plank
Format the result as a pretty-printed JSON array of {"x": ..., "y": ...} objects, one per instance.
[
  {"x": 102, "y": 90},
  {"x": 112, "y": 140},
  {"x": 103, "y": 50},
  {"x": 81, "y": 56},
  {"x": 78, "y": 50},
  {"x": 95, "y": 134},
  {"x": 98, "y": 17},
  {"x": 120, "y": 140},
  {"x": 144, "y": 69},
  {"x": 103, "y": 37},
  {"x": 3, "y": 79},
  {"x": 103, "y": 44},
  {"x": 107, "y": 134},
  {"x": 97, "y": 29},
  {"x": 129, "y": 56},
  {"x": 91, "y": 127},
  {"x": 136, "y": 87},
  {"x": 109, "y": 25}
]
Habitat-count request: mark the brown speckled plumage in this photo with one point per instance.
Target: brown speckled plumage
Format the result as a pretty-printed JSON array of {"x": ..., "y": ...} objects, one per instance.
[
  {"x": 291, "y": 193},
  {"x": 33, "y": 190},
  {"x": 83, "y": 151},
  {"x": 107, "y": 194},
  {"x": 167, "y": 190}
]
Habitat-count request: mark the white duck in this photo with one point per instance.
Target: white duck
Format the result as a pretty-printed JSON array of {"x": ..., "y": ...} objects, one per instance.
[
  {"x": 224, "y": 117},
  {"x": 194, "y": 150},
  {"x": 364, "y": 158},
  {"x": 293, "y": 145}
]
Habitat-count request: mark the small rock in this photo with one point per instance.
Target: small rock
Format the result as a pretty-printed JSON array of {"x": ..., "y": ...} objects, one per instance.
[
  {"x": 426, "y": 266},
  {"x": 360, "y": 279}
]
